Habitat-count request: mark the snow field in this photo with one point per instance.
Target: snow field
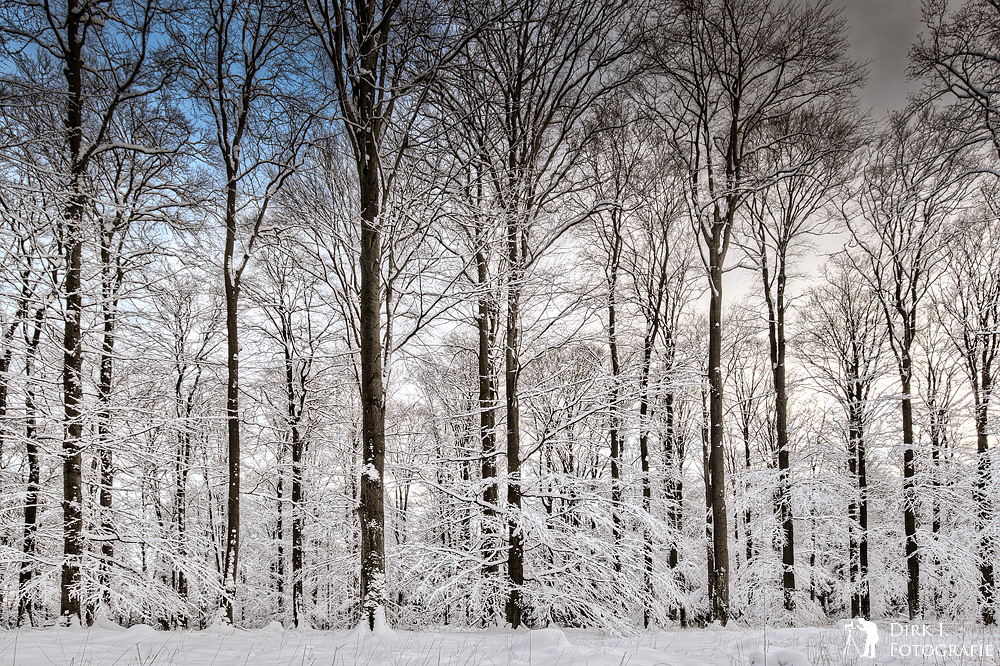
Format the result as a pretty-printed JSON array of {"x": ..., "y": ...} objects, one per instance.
[{"x": 142, "y": 645}]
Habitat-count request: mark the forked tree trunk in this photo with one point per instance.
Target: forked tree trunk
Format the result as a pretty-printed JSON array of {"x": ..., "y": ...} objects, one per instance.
[{"x": 776, "y": 337}]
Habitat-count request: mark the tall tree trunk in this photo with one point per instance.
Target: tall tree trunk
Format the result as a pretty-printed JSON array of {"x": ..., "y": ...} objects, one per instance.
[
  {"x": 866, "y": 600},
  {"x": 747, "y": 512},
  {"x": 230, "y": 565},
  {"x": 776, "y": 338},
  {"x": 674, "y": 455},
  {"x": 298, "y": 528},
  {"x": 372, "y": 504},
  {"x": 180, "y": 506},
  {"x": 984, "y": 512},
  {"x": 487, "y": 435},
  {"x": 279, "y": 533},
  {"x": 706, "y": 445},
  {"x": 25, "y": 602},
  {"x": 185, "y": 407},
  {"x": 909, "y": 489},
  {"x": 854, "y": 510},
  {"x": 363, "y": 28},
  {"x": 5, "y": 359},
  {"x": 613, "y": 416},
  {"x": 72, "y": 503},
  {"x": 716, "y": 456},
  {"x": 110, "y": 279},
  {"x": 295, "y": 401},
  {"x": 515, "y": 544},
  {"x": 647, "y": 491}
]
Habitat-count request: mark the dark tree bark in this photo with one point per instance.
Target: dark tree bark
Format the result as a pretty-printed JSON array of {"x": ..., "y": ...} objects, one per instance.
[
  {"x": 843, "y": 342},
  {"x": 486, "y": 320},
  {"x": 512, "y": 370},
  {"x": 614, "y": 418},
  {"x": 716, "y": 452},
  {"x": 355, "y": 36},
  {"x": 232, "y": 281},
  {"x": 112, "y": 274},
  {"x": 26, "y": 595},
  {"x": 910, "y": 189},
  {"x": 972, "y": 304},
  {"x": 72, "y": 504}
]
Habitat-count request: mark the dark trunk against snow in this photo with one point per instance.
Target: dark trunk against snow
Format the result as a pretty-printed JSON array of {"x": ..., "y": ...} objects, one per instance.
[
  {"x": 230, "y": 566},
  {"x": 26, "y": 595},
  {"x": 909, "y": 487},
  {"x": 984, "y": 513},
  {"x": 515, "y": 539},
  {"x": 613, "y": 416},
  {"x": 372, "y": 505},
  {"x": 485, "y": 317},
  {"x": 72, "y": 499},
  {"x": 716, "y": 455},
  {"x": 110, "y": 281}
]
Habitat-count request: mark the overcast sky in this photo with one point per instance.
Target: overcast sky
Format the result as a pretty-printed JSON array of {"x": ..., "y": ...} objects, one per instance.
[{"x": 882, "y": 31}]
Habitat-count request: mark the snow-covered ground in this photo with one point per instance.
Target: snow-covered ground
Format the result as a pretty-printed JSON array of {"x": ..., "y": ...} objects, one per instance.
[{"x": 271, "y": 646}]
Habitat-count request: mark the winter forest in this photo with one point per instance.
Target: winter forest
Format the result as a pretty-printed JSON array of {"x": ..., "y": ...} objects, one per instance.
[{"x": 596, "y": 314}]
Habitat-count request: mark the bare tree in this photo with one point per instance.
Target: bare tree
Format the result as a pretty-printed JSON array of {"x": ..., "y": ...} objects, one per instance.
[
  {"x": 809, "y": 149},
  {"x": 135, "y": 191},
  {"x": 541, "y": 78},
  {"x": 31, "y": 270},
  {"x": 103, "y": 51},
  {"x": 288, "y": 294},
  {"x": 971, "y": 309},
  {"x": 938, "y": 386},
  {"x": 367, "y": 43},
  {"x": 959, "y": 62},
  {"x": 241, "y": 65},
  {"x": 735, "y": 68},
  {"x": 910, "y": 188},
  {"x": 842, "y": 338},
  {"x": 185, "y": 327},
  {"x": 647, "y": 270}
]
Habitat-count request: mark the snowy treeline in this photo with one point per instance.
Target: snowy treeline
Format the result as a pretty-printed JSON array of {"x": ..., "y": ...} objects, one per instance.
[{"x": 601, "y": 313}]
